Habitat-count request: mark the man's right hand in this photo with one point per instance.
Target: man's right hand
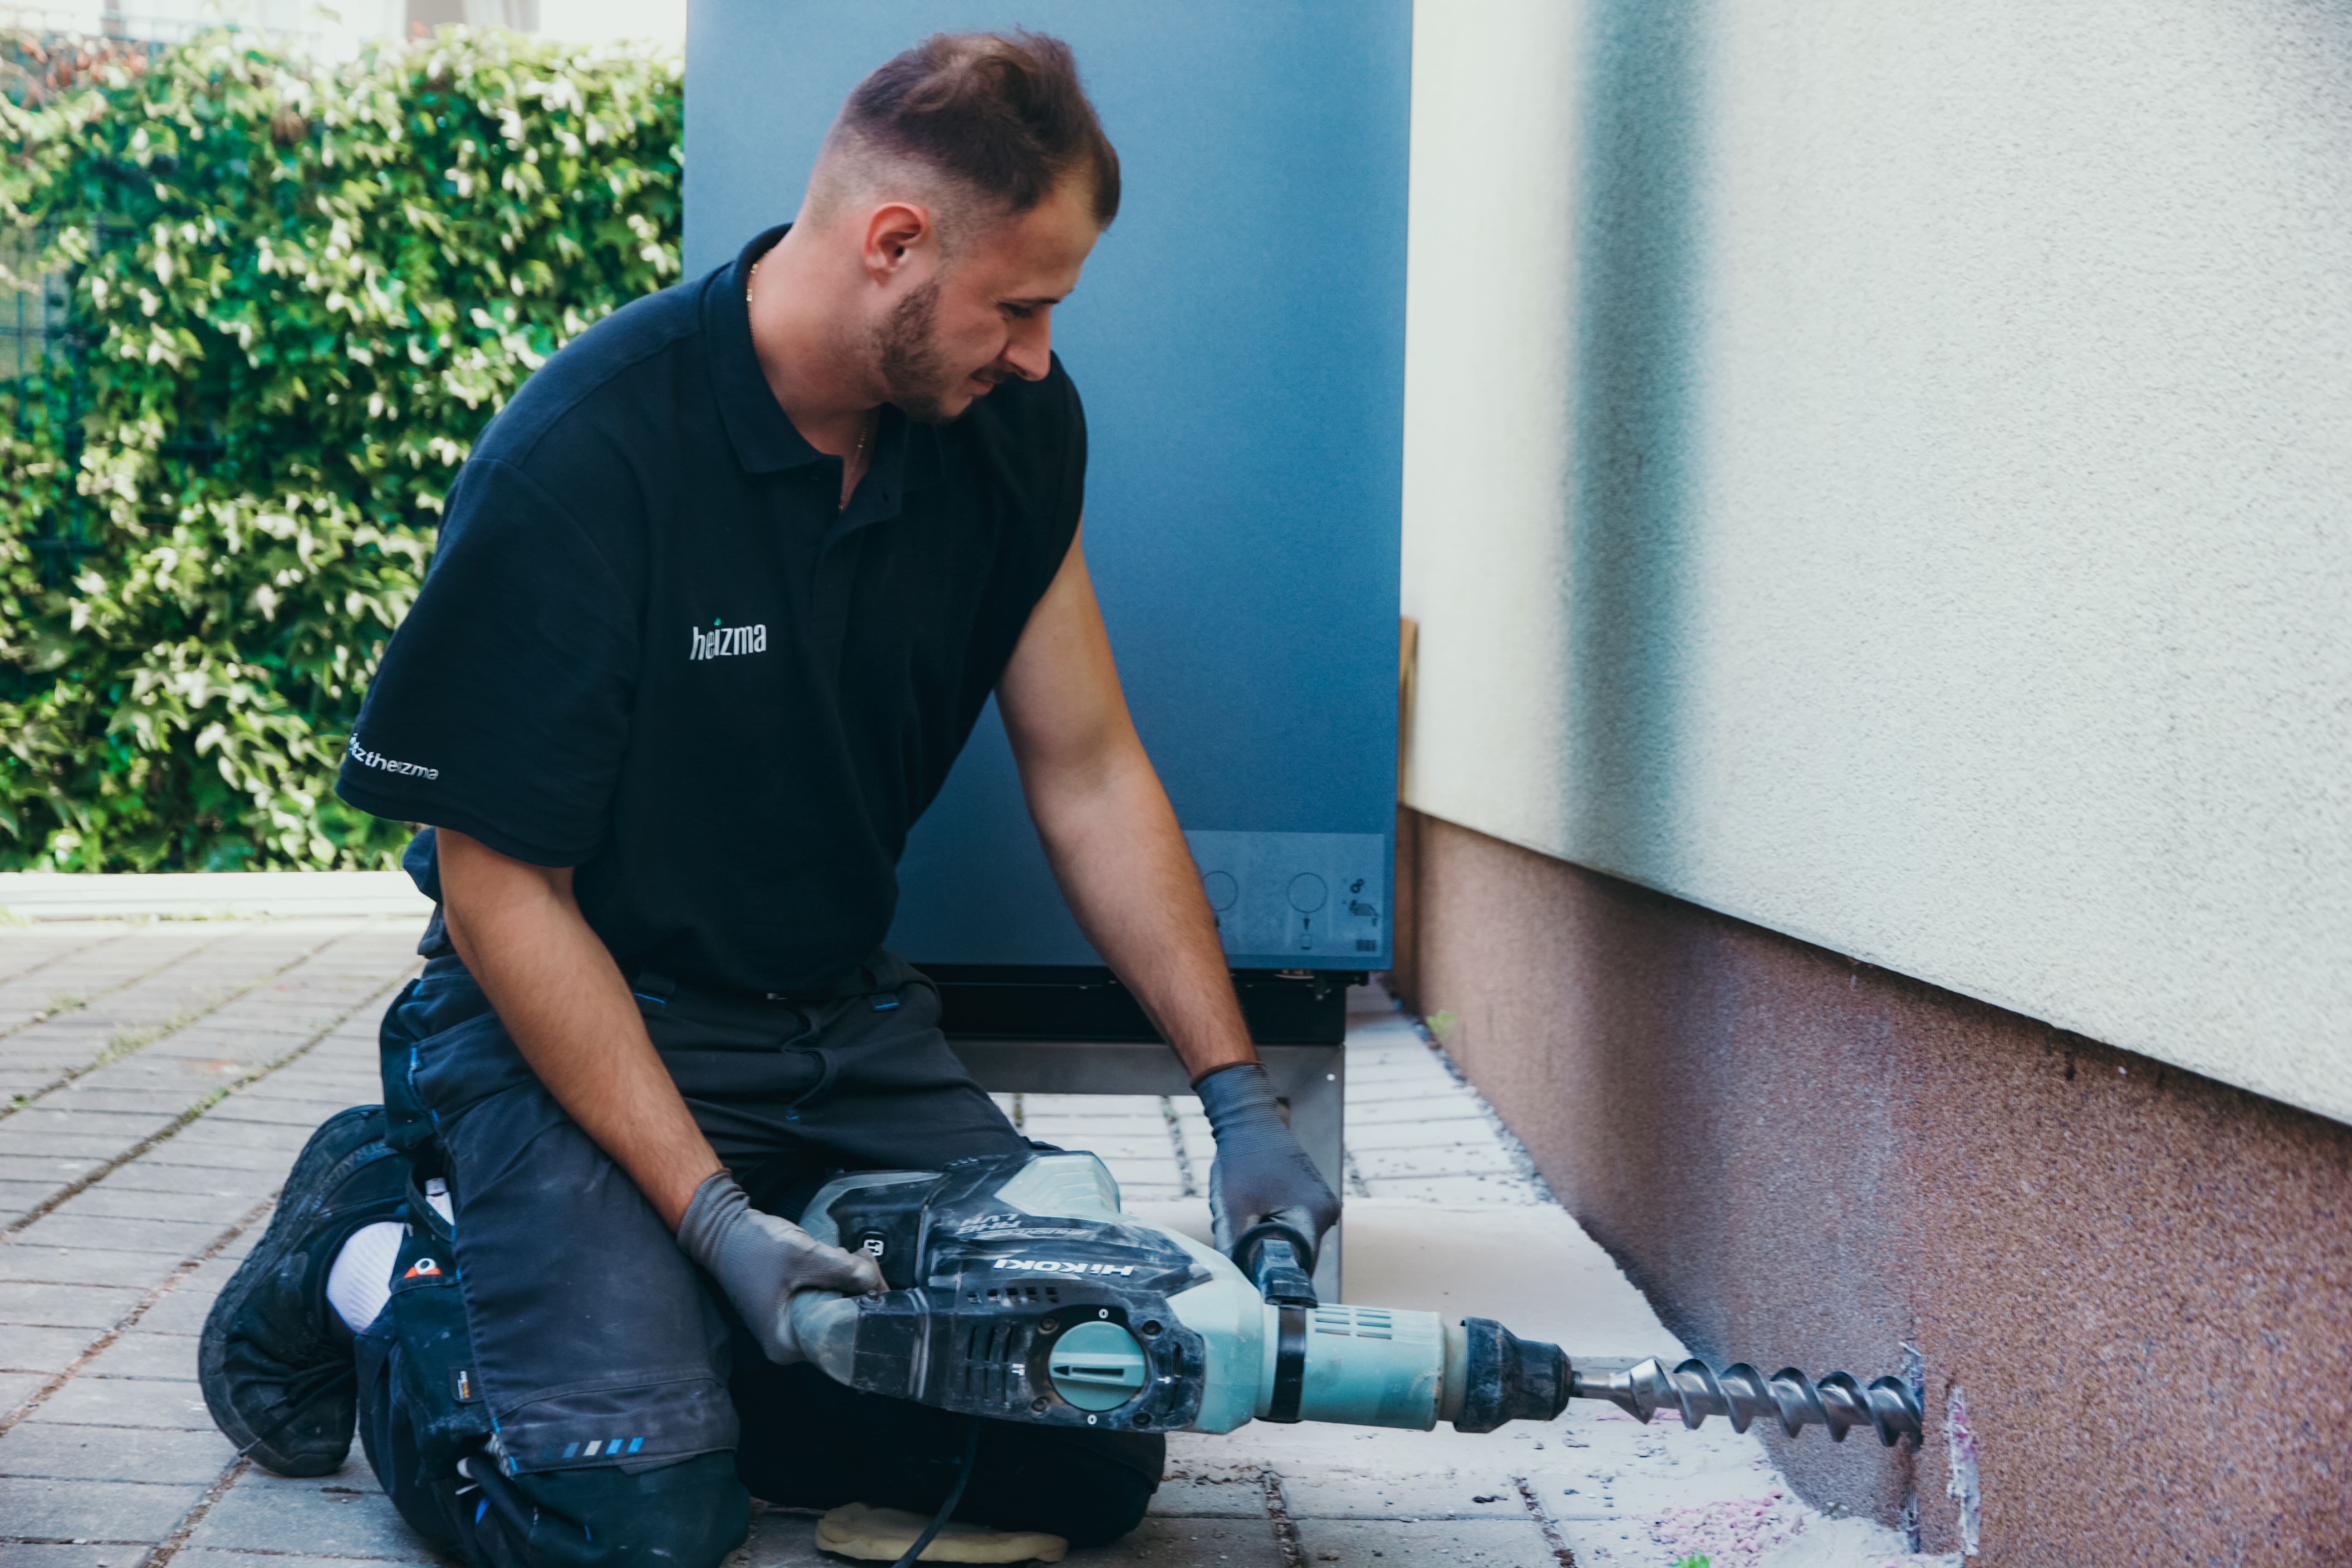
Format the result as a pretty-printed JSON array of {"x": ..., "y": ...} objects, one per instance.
[{"x": 760, "y": 1261}]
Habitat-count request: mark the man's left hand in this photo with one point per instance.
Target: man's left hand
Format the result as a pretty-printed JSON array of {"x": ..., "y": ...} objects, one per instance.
[{"x": 1261, "y": 1173}]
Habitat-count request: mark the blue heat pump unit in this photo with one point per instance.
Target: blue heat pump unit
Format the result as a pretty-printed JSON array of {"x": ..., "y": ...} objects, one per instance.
[{"x": 1238, "y": 338}]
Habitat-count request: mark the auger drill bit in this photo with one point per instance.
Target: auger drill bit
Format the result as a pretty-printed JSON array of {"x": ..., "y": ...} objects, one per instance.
[{"x": 1696, "y": 1391}]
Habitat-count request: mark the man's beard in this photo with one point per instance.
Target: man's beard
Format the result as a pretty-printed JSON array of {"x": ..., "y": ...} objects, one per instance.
[{"x": 913, "y": 370}]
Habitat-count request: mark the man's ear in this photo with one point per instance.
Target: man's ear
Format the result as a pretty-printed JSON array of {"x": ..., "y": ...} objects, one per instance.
[{"x": 895, "y": 232}]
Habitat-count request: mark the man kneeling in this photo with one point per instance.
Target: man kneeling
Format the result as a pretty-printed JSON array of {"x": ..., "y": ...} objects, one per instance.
[{"x": 718, "y": 597}]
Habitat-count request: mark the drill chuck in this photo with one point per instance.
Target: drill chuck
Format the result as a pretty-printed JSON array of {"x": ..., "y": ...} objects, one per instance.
[{"x": 1695, "y": 1390}]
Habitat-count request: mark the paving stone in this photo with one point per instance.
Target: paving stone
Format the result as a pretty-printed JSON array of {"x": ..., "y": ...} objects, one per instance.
[
  {"x": 215, "y": 1184},
  {"x": 245, "y": 1107},
  {"x": 47, "y": 1142},
  {"x": 181, "y": 1312},
  {"x": 1324, "y": 1491},
  {"x": 1423, "y": 1108},
  {"x": 166, "y": 1169},
  {"x": 1395, "y": 1542},
  {"x": 16, "y": 1387},
  {"x": 64, "y": 1305},
  {"x": 1207, "y": 1543},
  {"x": 1488, "y": 1159},
  {"x": 94, "y": 1511},
  {"x": 18, "y": 1197},
  {"x": 104, "y": 1091},
  {"x": 1474, "y": 1190},
  {"x": 263, "y": 1512},
  {"x": 85, "y": 1266},
  {"x": 206, "y": 1278},
  {"x": 70, "y": 1224},
  {"x": 1471, "y": 1131},
  {"x": 221, "y": 1153},
  {"x": 284, "y": 1085},
  {"x": 49, "y": 1116},
  {"x": 125, "y": 1401},
  {"x": 1211, "y": 1495},
  {"x": 51, "y": 1554},
  {"x": 42, "y": 1350},
  {"x": 59, "y": 1452},
  {"x": 138, "y": 1354}
]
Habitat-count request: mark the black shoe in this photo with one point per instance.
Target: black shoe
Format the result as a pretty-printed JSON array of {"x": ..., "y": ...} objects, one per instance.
[{"x": 276, "y": 1361}]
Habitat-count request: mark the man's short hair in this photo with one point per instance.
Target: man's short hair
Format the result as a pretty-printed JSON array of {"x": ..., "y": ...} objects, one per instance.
[{"x": 1002, "y": 117}]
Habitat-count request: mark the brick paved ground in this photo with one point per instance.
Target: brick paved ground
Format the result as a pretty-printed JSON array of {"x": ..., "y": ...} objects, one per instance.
[{"x": 157, "y": 1078}]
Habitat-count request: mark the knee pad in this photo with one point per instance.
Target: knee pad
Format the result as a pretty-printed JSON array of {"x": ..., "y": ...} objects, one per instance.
[{"x": 690, "y": 1514}]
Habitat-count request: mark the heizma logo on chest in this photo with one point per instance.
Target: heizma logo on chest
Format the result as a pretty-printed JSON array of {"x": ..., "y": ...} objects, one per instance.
[{"x": 726, "y": 642}]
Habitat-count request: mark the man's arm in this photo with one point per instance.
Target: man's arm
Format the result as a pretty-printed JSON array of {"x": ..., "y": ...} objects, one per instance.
[
  {"x": 1109, "y": 829},
  {"x": 562, "y": 1000},
  {"x": 564, "y": 1003},
  {"x": 1130, "y": 879}
]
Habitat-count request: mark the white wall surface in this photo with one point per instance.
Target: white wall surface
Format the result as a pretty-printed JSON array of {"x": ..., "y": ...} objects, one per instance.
[{"x": 1883, "y": 469}]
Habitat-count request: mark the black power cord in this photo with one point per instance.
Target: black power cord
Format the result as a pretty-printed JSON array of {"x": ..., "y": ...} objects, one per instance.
[{"x": 955, "y": 1496}]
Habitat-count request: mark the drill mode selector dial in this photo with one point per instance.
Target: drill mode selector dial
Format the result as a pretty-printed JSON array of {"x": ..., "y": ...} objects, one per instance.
[{"x": 1096, "y": 1366}]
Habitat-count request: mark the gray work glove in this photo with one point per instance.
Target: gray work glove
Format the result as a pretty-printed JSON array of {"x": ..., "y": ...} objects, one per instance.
[
  {"x": 1261, "y": 1173},
  {"x": 760, "y": 1261}
]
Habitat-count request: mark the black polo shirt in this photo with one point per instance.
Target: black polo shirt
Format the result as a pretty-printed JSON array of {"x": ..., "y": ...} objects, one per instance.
[{"x": 652, "y": 648}]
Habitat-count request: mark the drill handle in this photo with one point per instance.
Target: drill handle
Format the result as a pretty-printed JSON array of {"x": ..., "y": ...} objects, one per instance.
[{"x": 1280, "y": 1262}]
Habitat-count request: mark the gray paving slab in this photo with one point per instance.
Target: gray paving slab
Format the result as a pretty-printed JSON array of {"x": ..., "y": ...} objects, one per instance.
[
  {"x": 153, "y": 1355},
  {"x": 1484, "y": 1158},
  {"x": 181, "y": 1312},
  {"x": 125, "y": 1401},
  {"x": 60, "y": 1555},
  {"x": 1487, "y": 1542},
  {"x": 93, "y": 1511},
  {"x": 85, "y": 1266},
  {"x": 18, "y": 1197},
  {"x": 16, "y": 1387},
  {"x": 342, "y": 1515},
  {"x": 1189, "y": 1496},
  {"x": 258, "y": 1170},
  {"x": 1458, "y": 1190},
  {"x": 54, "y": 1114},
  {"x": 1421, "y": 1106},
  {"x": 239, "y": 1110},
  {"x": 1210, "y": 1542},
  {"x": 27, "y": 951},
  {"x": 64, "y": 1305},
  {"x": 50, "y": 1142},
  {"x": 218, "y": 1148},
  {"x": 68, "y": 1225},
  {"x": 46, "y": 1351},
  {"x": 123, "y": 1095},
  {"x": 1326, "y": 1491},
  {"x": 209, "y": 1276},
  {"x": 1452, "y": 1132},
  {"x": 54, "y": 1451}
]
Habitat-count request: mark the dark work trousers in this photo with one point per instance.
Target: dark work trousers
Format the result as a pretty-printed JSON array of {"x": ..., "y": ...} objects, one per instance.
[{"x": 554, "y": 1382}]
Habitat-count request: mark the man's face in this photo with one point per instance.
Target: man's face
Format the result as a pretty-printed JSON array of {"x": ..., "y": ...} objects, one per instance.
[{"x": 986, "y": 316}]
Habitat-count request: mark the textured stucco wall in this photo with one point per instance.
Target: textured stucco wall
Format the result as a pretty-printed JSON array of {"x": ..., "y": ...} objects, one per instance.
[
  {"x": 2141, "y": 1279},
  {"x": 1885, "y": 471}
]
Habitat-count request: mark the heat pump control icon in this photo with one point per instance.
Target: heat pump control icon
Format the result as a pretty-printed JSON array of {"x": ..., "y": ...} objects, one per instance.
[{"x": 1312, "y": 900}]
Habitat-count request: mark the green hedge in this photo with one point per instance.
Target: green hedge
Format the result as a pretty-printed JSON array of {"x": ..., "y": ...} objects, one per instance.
[{"x": 297, "y": 293}]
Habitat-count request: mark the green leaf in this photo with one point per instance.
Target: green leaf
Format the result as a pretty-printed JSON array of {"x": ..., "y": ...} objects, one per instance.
[{"x": 292, "y": 323}]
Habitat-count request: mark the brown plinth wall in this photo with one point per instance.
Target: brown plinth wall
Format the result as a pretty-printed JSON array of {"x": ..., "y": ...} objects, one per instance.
[{"x": 2141, "y": 1279}]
